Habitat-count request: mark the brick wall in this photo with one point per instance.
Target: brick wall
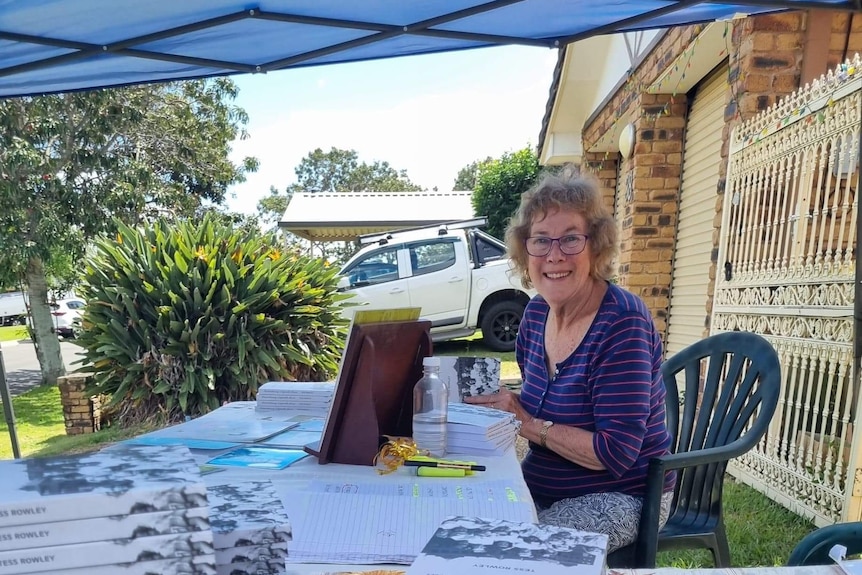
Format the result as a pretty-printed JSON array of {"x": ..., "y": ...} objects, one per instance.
[
  {"x": 766, "y": 57},
  {"x": 81, "y": 412},
  {"x": 846, "y": 38}
]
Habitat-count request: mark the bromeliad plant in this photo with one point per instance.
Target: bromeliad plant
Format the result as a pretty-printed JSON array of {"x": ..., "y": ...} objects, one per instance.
[{"x": 182, "y": 317}]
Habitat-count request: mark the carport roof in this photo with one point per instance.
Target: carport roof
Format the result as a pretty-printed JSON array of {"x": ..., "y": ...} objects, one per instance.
[{"x": 331, "y": 217}]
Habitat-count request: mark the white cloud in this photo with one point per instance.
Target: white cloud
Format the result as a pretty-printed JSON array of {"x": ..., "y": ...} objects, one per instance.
[{"x": 430, "y": 135}]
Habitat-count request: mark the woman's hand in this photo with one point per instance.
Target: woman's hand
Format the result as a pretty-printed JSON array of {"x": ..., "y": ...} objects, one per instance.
[{"x": 503, "y": 400}]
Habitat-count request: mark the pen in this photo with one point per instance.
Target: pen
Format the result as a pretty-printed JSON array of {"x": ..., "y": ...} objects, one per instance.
[{"x": 444, "y": 465}]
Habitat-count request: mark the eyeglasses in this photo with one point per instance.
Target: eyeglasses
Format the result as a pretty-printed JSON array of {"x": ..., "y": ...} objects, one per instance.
[{"x": 571, "y": 245}]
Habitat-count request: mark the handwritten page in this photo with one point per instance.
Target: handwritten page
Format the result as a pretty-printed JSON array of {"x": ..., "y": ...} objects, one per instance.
[{"x": 363, "y": 523}]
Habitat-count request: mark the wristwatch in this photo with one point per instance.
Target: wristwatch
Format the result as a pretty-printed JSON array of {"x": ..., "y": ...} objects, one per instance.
[{"x": 543, "y": 433}]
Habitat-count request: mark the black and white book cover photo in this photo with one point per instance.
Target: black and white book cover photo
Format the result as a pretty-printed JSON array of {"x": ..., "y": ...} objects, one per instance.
[{"x": 477, "y": 546}]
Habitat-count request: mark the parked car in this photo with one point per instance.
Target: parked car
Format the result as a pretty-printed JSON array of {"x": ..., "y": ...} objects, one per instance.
[
  {"x": 457, "y": 274},
  {"x": 66, "y": 314}
]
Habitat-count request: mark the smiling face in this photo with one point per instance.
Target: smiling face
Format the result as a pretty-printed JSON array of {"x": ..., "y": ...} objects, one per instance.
[{"x": 560, "y": 278}]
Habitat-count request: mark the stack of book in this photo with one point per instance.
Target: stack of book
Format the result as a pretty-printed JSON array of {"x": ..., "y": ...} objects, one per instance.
[
  {"x": 312, "y": 398},
  {"x": 129, "y": 509},
  {"x": 250, "y": 528},
  {"x": 476, "y": 430}
]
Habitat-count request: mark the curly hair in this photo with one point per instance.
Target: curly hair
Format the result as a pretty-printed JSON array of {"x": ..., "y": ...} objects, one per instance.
[{"x": 566, "y": 191}]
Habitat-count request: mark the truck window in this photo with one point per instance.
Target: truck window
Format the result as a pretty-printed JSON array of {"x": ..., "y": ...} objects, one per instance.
[
  {"x": 432, "y": 257},
  {"x": 377, "y": 267},
  {"x": 489, "y": 248}
]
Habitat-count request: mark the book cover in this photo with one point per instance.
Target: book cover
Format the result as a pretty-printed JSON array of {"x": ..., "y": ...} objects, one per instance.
[
  {"x": 492, "y": 546},
  {"x": 253, "y": 554},
  {"x": 123, "y": 479},
  {"x": 469, "y": 376},
  {"x": 202, "y": 444},
  {"x": 293, "y": 439},
  {"x": 102, "y": 528},
  {"x": 83, "y": 555},
  {"x": 271, "y": 567},
  {"x": 196, "y": 565},
  {"x": 247, "y": 513},
  {"x": 236, "y": 422},
  {"x": 259, "y": 457}
]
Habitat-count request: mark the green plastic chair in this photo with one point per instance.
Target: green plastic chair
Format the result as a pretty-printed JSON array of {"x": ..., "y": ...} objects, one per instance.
[
  {"x": 726, "y": 410},
  {"x": 814, "y": 548}
]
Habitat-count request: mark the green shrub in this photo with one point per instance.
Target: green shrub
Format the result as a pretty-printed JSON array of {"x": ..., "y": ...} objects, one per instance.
[{"x": 182, "y": 317}]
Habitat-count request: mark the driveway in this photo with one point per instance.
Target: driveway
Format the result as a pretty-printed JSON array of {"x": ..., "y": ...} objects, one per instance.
[{"x": 22, "y": 367}]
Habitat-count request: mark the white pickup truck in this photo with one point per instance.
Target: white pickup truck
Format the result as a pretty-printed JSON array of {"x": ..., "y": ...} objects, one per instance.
[{"x": 458, "y": 275}]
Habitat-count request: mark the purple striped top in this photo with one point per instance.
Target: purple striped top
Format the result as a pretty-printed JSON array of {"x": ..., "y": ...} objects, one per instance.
[{"x": 611, "y": 385}]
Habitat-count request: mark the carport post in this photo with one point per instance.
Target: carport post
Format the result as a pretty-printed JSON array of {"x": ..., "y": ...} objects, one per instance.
[{"x": 8, "y": 412}]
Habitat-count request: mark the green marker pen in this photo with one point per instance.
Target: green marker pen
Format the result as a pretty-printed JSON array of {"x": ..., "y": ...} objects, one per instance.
[{"x": 425, "y": 471}]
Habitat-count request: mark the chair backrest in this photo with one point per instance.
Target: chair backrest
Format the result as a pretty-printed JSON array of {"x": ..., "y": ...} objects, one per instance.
[
  {"x": 814, "y": 547},
  {"x": 726, "y": 407}
]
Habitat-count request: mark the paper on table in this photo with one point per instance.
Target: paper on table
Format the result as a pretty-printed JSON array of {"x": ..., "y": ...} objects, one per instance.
[
  {"x": 838, "y": 553},
  {"x": 364, "y": 523}
]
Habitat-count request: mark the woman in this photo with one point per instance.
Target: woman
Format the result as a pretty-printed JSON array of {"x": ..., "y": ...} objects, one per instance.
[{"x": 592, "y": 399}]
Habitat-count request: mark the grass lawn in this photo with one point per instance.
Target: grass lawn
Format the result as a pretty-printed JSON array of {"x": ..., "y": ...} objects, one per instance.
[
  {"x": 761, "y": 532},
  {"x": 13, "y": 332},
  {"x": 42, "y": 432}
]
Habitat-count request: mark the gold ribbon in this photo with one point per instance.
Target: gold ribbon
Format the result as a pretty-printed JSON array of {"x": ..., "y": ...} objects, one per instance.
[{"x": 393, "y": 453}]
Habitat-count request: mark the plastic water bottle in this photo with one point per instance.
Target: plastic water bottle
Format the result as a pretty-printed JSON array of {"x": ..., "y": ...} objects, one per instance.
[{"x": 430, "y": 409}]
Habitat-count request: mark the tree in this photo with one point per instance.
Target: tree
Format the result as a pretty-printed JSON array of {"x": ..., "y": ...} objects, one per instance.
[
  {"x": 341, "y": 171},
  {"x": 499, "y": 186},
  {"x": 335, "y": 171},
  {"x": 466, "y": 178},
  {"x": 70, "y": 163},
  {"x": 271, "y": 208}
]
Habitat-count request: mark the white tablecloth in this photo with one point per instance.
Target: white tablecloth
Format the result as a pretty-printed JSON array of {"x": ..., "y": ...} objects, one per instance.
[{"x": 292, "y": 484}]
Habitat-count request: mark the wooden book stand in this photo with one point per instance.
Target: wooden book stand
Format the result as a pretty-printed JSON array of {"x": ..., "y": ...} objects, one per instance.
[{"x": 374, "y": 390}]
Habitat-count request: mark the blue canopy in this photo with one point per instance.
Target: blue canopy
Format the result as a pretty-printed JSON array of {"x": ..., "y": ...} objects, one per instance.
[{"x": 51, "y": 46}]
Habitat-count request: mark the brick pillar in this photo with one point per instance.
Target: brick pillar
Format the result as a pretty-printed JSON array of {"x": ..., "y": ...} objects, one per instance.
[
  {"x": 657, "y": 165},
  {"x": 81, "y": 412},
  {"x": 769, "y": 59},
  {"x": 603, "y": 167}
]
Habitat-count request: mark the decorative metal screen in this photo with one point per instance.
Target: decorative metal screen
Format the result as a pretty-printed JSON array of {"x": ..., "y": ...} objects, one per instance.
[{"x": 787, "y": 258}]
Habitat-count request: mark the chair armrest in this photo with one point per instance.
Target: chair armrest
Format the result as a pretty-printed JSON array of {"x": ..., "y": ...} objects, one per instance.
[{"x": 702, "y": 456}]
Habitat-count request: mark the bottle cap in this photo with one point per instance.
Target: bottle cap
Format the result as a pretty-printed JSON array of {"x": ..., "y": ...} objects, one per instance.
[{"x": 431, "y": 361}]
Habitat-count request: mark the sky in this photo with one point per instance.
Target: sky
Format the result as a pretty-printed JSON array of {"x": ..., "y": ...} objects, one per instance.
[{"x": 430, "y": 115}]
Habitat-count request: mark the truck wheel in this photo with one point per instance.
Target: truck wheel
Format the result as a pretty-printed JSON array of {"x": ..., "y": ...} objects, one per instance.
[{"x": 500, "y": 325}]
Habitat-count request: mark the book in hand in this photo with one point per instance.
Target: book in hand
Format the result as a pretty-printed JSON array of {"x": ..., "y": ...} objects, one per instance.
[
  {"x": 469, "y": 376},
  {"x": 476, "y": 419},
  {"x": 478, "y": 546}
]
